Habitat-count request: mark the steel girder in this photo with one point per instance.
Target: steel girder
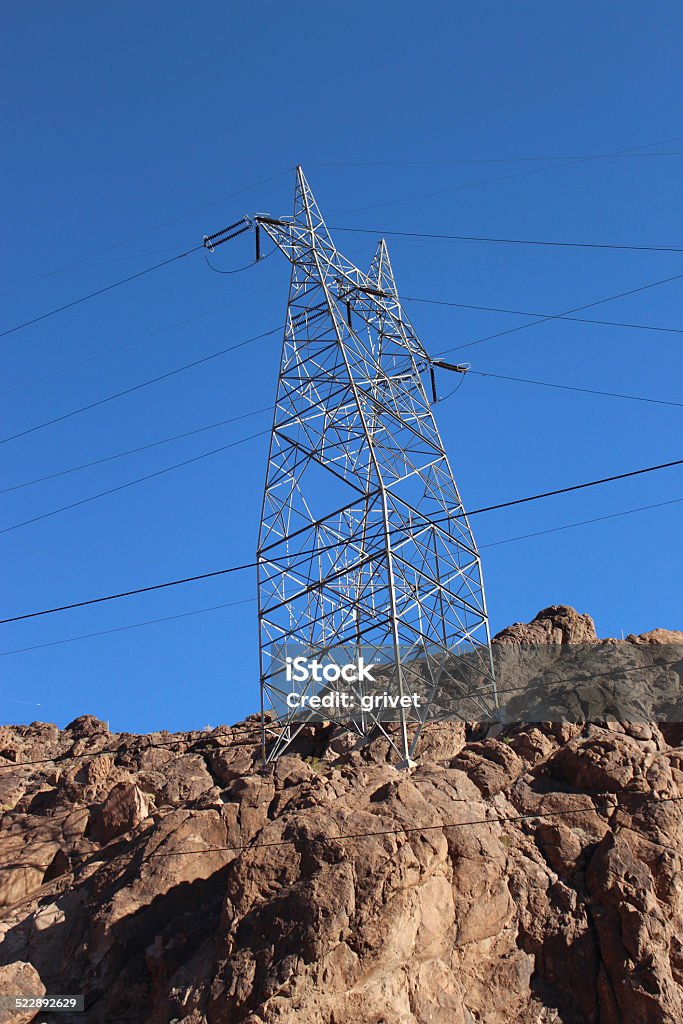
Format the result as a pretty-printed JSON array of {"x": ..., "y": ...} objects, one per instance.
[{"x": 364, "y": 543}]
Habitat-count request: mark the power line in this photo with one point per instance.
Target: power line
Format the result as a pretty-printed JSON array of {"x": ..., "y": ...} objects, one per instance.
[
  {"x": 134, "y": 451},
  {"x": 379, "y": 232},
  {"x": 504, "y": 177},
  {"x": 132, "y": 625},
  {"x": 131, "y": 593},
  {"x": 613, "y": 801},
  {"x": 202, "y": 739},
  {"x": 138, "y": 387},
  {"x": 77, "y": 264},
  {"x": 570, "y": 387},
  {"x": 543, "y": 318},
  {"x": 151, "y": 334},
  {"x": 164, "y": 376},
  {"x": 556, "y": 316},
  {"x": 569, "y": 489},
  {"x": 566, "y": 312},
  {"x": 238, "y": 270},
  {"x": 251, "y": 600},
  {"x": 262, "y": 433},
  {"x": 114, "y": 284},
  {"x": 610, "y": 802},
  {"x": 127, "y": 344},
  {"x": 458, "y": 188},
  {"x": 251, "y": 565},
  {"x": 581, "y": 522},
  {"x": 134, "y": 341},
  {"x": 182, "y": 255},
  {"x": 210, "y": 426},
  {"x": 23, "y": 281},
  {"x": 487, "y": 160},
  {"x": 454, "y": 390},
  {"x": 157, "y": 227},
  {"x": 132, "y": 483},
  {"x": 99, "y": 291}
]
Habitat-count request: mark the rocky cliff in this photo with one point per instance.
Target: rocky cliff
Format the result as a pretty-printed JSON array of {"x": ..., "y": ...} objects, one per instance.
[{"x": 523, "y": 874}]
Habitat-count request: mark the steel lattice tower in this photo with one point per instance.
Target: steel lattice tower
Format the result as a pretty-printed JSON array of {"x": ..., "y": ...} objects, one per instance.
[{"x": 364, "y": 542}]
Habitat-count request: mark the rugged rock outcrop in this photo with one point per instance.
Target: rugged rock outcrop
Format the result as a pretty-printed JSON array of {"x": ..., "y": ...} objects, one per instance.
[
  {"x": 526, "y": 874},
  {"x": 558, "y": 624}
]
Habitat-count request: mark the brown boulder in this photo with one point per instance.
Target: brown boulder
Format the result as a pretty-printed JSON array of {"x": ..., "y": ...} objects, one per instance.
[
  {"x": 558, "y": 624},
  {"x": 657, "y": 636},
  {"x": 19, "y": 979},
  {"x": 491, "y": 765},
  {"x": 124, "y": 808},
  {"x": 85, "y": 726}
]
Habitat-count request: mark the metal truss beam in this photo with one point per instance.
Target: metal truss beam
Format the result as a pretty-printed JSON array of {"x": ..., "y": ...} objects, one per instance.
[{"x": 364, "y": 542}]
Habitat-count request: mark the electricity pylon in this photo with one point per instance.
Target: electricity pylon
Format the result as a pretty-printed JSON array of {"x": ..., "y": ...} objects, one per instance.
[{"x": 364, "y": 545}]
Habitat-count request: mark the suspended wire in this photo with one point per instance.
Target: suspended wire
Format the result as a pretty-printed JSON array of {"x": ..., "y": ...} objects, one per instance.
[
  {"x": 109, "y": 287},
  {"x": 197, "y": 746},
  {"x": 23, "y": 281},
  {"x": 230, "y": 348},
  {"x": 99, "y": 291},
  {"x": 263, "y": 433},
  {"x": 379, "y": 232},
  {"x": 491, "y": 181},
  {"x": 182, "y": 255},
  {"x": 132, "y": 483},
  {"x": 77, "y": 264},
  {"x": 251, "y": 600},
  {"x": 251, "y": 565},
  {"x": 237, "y": 270},
  {"x": 135, "y": 341},
  {"x": 450, "y": 393},
  {"x": 144, "y": 337},
  {"x": 543, "y": 319},
  {"x": 264, "y": 409},
  {"x": 222, "y": 448},
  {"x": 134, "y": 451},
  {"x": 581, "y": 522},
  {"x": 457, "y": 188},
  {"x": 138, "y": 387},
  {"x": 488, "y": 160},
  {"x": 612, "y": 802},
  {"x": 157, "y": 227},
  {"x": 571, "y": 387},
  {"x": 529, "y": 312},
  {"x": 131, "y": 593},
  {"x": 132, "y": 625},
  {"x": 566, "y": 312},
  {"x": 550, "y": 384},
  {"x": 564, "y": 490}
]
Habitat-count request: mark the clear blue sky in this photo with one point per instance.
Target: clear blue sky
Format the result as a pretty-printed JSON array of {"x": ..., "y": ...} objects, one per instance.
[{"x": 119, "y": 118}]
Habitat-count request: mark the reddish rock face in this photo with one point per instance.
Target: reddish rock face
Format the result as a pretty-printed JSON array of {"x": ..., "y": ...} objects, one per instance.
[
  {"x": 558, "y": 624},
  {"x": 124, "y": 808},
  {"x": 531, "y": 875}
]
